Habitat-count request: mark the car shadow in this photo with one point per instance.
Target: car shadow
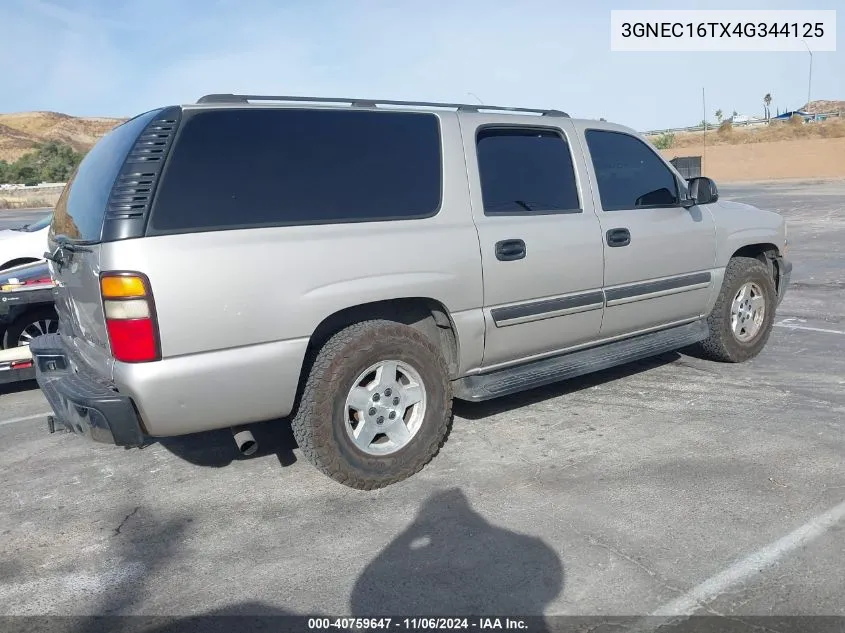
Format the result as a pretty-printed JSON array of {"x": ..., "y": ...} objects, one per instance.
[{"x": 216, "y": 449}]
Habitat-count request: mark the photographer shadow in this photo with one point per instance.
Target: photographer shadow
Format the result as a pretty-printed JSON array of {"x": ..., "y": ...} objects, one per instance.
[{"x": 452, "y": 562}]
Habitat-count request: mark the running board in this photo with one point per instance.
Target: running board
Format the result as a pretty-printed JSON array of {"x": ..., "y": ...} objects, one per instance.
[{"x": 542, "y": 372}]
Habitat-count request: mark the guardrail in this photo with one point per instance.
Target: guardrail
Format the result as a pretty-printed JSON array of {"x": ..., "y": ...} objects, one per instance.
[
  {"x": 20, "y": 187},
  {"x": 749, "y": 122}
]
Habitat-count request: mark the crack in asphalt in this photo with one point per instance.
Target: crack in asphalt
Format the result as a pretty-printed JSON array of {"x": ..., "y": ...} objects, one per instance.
[{"x": 125, "y": 519}]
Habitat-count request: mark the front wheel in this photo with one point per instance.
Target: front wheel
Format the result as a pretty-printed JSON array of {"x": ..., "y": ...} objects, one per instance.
[
  {"x": 377, "y": 405},
  {"x": 741, "y": 321}
]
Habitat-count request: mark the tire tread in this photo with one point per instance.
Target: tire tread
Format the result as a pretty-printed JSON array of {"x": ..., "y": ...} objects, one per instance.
[
  {"x": 312, "y": 426},
  {"x": 720, "y": 345}
]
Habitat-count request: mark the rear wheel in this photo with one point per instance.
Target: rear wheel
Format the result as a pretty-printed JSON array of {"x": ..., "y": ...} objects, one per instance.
[
  {"x": 741, "y": 321},
  {"x": 31, "y": 325},
  {"x": 376, "y": 406}
]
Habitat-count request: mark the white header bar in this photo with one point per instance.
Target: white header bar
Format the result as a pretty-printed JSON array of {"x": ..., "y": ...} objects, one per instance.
[{"x": 723, "y": 30}]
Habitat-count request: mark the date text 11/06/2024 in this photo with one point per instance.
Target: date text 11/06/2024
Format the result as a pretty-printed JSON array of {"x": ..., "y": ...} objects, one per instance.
[{"x": 419, "y": 624}]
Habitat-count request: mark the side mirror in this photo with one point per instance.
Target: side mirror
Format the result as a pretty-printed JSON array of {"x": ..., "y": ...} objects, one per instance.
[{"x": 702, "y": 190}]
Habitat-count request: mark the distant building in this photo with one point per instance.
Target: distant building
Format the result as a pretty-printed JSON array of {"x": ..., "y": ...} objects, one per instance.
[{"x": 788, "y": 115}]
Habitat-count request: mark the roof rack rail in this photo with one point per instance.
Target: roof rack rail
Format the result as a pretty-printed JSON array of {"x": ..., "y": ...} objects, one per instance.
[{"x": 372, "y": 103}]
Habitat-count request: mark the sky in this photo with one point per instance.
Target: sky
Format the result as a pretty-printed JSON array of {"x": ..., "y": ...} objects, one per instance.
[{"x": 116, "y": 58}]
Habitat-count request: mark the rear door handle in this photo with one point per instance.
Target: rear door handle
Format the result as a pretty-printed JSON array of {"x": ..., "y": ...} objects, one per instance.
[
  {"x": 618, "y": 237},
  {"x": 510, "y": 250}
]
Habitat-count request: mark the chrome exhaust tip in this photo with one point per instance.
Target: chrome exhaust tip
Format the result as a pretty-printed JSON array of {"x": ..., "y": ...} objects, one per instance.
[{"x": 245, "y": 441}]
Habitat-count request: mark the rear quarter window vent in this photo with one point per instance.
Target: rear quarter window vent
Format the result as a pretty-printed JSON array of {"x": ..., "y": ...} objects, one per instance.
[
  {"x": 152, "y": 145},
  {"x": 132, "y": 193}
]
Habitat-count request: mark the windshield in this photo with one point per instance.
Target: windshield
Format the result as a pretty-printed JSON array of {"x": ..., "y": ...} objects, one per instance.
[{"x": 43, "y": 223}]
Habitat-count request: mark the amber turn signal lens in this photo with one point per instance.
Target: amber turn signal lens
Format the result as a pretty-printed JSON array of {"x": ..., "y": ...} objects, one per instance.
[{"x": 122, "y": 286}]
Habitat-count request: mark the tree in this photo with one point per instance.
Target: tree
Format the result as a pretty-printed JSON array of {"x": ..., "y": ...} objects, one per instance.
[
  {"x": 735, "y": 114},
  {"x": 50, "y": 162},
  {"x": 57, "y": 161},
  {"x": 767, "y": 101},
  {"x": 27, "y": 175},
  {"x": 719, "y": 115}
]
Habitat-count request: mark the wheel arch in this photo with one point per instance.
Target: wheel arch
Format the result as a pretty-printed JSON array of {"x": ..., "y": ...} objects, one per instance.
[
  {"x": 429, "y": 316},
  {"x": 20, "y": 261},
  {"x": 766, "y": 253}
]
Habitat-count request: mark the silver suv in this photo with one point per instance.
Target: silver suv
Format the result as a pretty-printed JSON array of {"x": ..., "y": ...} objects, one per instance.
[{"x": 355, "y": 265}]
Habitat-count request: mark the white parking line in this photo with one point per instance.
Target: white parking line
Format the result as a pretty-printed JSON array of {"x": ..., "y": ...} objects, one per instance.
[
  {"x": 752, "y": 565},
  {"x": 25, "y": 418},
  {"x": 811, "y": 329}
]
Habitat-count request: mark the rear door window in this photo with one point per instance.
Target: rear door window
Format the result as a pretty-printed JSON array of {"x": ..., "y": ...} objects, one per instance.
[
  {"x": 235, "y": 168},
  {"x": 525, "y": 171},
  {"x": 81, "y": 208}
]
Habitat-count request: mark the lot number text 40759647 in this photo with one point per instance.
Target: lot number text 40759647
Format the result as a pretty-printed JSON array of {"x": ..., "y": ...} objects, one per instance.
[{"x": 418, "y": 624}]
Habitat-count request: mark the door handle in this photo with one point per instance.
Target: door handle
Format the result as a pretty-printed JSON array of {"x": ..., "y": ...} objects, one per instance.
[
  {"x": 618, "y": 237},
  {"x": 510, "y": 250}
]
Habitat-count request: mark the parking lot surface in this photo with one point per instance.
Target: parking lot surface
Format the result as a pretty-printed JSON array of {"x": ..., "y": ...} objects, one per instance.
[{"x": 669, "y": 486}]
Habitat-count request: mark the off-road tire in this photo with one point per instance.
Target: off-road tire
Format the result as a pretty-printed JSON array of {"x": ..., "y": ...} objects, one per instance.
[
  {"x": 721, "y": 345},
  {"x": 320, "y": 418}
]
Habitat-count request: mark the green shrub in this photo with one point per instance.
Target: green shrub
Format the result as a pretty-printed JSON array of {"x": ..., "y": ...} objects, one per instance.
[{"x": 664, "y": 141}]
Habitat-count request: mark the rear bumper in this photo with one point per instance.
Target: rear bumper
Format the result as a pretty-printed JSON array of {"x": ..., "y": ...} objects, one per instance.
[
  {"x": 784, "y": 275},
  {"x": 82, "y": 404}
]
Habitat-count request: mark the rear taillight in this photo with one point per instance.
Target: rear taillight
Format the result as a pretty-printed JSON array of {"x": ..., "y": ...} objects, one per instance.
[{"x": 130, "y": 317}]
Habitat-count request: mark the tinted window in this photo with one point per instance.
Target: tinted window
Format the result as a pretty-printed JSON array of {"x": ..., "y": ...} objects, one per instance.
[
  {"x": 247, "y": 168},
  {"x": 524, "y": 171},
  {"x": 81, "y": 208},
  {"x": 629, "y": 174}
]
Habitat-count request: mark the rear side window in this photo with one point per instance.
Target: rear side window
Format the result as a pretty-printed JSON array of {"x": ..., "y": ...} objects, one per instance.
[
  {"x": 524, "y": 171},
  {"x": 629, "y": 173},
  {"x": 81, "y": 208},
  {"x": 234, "y": 169}
]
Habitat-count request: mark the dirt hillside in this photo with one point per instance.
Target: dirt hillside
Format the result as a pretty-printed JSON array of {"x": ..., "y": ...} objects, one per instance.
[
  {"x": 20, "y": 132},
  {"x": 773, "y": 133},
  {"x": 818, "y": 107}
]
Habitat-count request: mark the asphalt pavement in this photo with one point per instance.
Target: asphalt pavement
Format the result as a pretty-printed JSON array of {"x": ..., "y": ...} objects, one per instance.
[{"x": 670, "y": 486}]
